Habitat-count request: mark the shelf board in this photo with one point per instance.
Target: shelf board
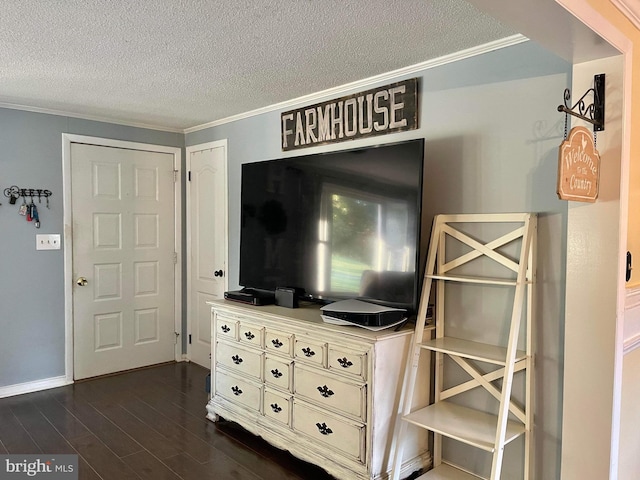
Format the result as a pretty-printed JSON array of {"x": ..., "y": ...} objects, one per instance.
[
  {"x": 447, "y": 472},
  {"x": 479, "y": 280},
  {"x": 472, "y": 350},
  {"x": 464, "y": 424}
]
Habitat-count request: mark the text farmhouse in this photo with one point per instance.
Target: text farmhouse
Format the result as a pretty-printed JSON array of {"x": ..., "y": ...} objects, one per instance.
[{"x": 379, "y": 111}]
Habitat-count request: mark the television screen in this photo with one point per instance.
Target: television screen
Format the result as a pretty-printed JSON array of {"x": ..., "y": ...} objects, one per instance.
[{"x": 337, "y": 225}]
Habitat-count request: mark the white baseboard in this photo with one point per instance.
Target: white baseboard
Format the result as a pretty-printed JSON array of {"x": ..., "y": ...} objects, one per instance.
[
  {"x": 35, "y": 386},
  {"x": 421, "y": 462}
]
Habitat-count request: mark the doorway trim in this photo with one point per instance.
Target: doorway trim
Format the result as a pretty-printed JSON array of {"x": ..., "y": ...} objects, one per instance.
[
  {"x": 67, "y": 140},
  {"x": 593, "y": 19},
  {"x": 188, "y": 151}
]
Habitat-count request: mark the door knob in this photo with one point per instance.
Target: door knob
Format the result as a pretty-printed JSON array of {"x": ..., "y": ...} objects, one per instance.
[
  {"x": 81, "y": 281},
  {"x": 218, "y": 273}
]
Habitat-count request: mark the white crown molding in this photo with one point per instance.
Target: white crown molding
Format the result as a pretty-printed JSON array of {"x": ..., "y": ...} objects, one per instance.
[
  {"x": 62, "y": 113},
  {"x": 314, "y": 97},
  {"x": 35, "y": 386},
  {"x": 631, "y": 9},
  {"x": 367, "y": 82}
]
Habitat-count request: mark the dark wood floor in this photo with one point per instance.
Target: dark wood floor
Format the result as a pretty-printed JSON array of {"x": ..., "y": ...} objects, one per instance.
[{"x": 145, "y": 424}]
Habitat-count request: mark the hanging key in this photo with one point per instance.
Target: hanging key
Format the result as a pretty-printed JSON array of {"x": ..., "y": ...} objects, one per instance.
[
  {"x": 23, "y": 208},
  {"x": 34, "y": 216},
  {"x": 12, "y": 193},
  {"x": 30, "y": 210}
]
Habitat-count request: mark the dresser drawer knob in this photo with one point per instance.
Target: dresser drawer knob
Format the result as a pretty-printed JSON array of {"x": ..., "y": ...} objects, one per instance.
[
  {"x": 249, "y": 335},
  {"x": 325, "y": 391},
  {"x": 276, "y": 408},
  {"x": 236, "y": 390},
  {"x": 344, "y": 363},
  {"x": 276, "y": 373},
  {"x": 236, "y": 359},
  {"x": 277, "y": 343},
  {"x": 308, "y": 352},
  {"x": 324, "y": 430},
  {"x": 225, "y": 329}
]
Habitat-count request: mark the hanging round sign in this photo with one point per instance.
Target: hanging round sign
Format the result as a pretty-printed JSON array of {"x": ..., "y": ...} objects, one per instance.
[{"x": 578, "y": 167}]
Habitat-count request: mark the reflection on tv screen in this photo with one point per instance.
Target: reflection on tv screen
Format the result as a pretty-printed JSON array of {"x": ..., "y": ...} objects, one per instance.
[{"x": 338, "y": 225}]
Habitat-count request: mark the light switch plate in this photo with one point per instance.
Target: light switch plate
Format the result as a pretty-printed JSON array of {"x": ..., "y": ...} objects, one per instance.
[{"x": 48, "y": 242}]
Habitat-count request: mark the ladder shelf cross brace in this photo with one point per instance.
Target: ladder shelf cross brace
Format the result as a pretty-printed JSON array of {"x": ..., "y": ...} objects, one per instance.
[{"x": 484, "y": 430}]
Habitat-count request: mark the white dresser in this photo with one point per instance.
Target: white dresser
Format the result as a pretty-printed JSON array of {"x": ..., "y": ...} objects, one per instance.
[{"x": 328, "y": 394}]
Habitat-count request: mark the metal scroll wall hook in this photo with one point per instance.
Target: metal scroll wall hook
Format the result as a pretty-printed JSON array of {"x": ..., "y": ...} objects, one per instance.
[{"x": 593, "y": 112}]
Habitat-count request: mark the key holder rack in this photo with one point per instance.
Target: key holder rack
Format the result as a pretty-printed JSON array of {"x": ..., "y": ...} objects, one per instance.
[
  {"x": 13, "y": 193},
  {"x": 592, "y": 113},
  {"x": 28, "y": 210}
]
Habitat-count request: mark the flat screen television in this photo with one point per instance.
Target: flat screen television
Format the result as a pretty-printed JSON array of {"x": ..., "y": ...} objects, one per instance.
[{"x": 336, "y": 225}]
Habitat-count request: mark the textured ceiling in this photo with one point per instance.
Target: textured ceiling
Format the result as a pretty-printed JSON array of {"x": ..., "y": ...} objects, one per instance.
[
  {"x": 183, "y": 63},
  {"x": 178, "y": 64}
]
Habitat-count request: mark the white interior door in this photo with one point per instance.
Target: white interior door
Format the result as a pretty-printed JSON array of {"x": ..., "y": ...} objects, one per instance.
[
  {"x": 206, "y": 242},
  {"x": 123, "y": 258}
]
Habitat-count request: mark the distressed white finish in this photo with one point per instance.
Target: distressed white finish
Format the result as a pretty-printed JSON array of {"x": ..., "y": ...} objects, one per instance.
[{"x": 274, "y": 373}]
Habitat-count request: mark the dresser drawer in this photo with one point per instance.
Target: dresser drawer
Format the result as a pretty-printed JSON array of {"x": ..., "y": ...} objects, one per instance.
[
  {"x": 347, "y": 438},
  {"x": 330, "y": 392},
  {"x": 226, "y": 327},
  {"x": 277, "y": 406},
  {"x": 238, "y": 390},
  {"x": 239, "y": 359},
  {"x": 310, "y": 350},
  {"x": 348, "y": 362},
  {"x": 277, "y": 341},
  {"x": 251, "y": 334},
  {"x": 278, "y": 372}
]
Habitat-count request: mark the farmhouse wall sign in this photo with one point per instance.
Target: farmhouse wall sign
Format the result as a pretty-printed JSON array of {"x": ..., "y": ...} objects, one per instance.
[
  {"x": 382, "y": 110},
  {"x": 578, "y": 167}
]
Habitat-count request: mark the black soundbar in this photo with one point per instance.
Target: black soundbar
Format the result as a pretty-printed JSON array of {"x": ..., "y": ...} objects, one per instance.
[{"x": 251, "y": 296}]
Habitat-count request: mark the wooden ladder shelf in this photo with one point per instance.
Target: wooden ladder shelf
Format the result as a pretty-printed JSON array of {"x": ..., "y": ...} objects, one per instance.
[{"x": 444, "y": 417}]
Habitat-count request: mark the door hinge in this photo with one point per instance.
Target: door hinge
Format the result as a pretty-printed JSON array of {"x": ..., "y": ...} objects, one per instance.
[
  {"x": 175, "y": 258},
  {"x": 175, "y": 175},
  {"x": 177, "y": 335},
  {"x": 189, "y": 175},
  {"x": 189, "y": 339},
  {"x": 629, "y": 268}
]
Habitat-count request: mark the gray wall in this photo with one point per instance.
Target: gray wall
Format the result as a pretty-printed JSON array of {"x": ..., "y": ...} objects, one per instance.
[
  {"x": 32, "y": 324},
  {"x": 491, "y": 131},
  {"x": 491, "y": 134}
]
